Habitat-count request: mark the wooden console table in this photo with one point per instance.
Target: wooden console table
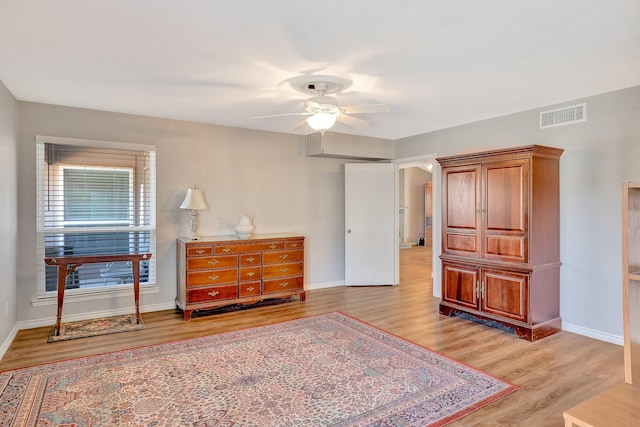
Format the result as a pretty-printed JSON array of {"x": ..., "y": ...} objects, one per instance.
[{"x": 68, "y": 264}]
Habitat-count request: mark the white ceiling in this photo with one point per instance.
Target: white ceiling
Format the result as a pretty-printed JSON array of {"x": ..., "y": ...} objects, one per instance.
[{"x": 437, "y": 63}]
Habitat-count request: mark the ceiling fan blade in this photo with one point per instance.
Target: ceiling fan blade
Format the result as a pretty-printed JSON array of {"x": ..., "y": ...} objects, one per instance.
[
  {"x": 352, "y": 121},
  {"x": 370, "y": 108},
  {"x": 281, "y": 115},
  {"x": 299, "y": 125}
]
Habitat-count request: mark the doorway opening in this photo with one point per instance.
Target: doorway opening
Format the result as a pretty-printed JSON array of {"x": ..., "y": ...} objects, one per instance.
[{"x": 418, "y": 216}]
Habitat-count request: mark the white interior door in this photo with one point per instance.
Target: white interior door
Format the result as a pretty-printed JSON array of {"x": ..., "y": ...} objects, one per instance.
[{"x": 371, "y": 224}]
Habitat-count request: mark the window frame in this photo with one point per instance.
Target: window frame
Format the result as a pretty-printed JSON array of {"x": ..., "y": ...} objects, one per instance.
[{"x": 43, "y": 230}]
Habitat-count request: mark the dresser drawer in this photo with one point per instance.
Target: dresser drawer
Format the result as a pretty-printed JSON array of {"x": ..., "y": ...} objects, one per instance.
[
  {"x": 247, "y": 247},
  {"x": 213, "y": 293},
  {"x": 203, "y": 250},
  {"x": 283, "y": 256},
  {"x": 248, "y": 274},
  {"x": 294, "y": 244},
  {"x": 282, "y": 270},
  {"x": 249, "y": 289},
  {"x": 250, "y": 259},
  {"x": 212, "y": 277},
  {"x": 212, "y": 262},
  {"x": 282, "y": 285}
]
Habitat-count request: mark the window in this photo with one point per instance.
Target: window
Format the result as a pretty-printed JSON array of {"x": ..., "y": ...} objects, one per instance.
[{"x": 95, "y": 198}]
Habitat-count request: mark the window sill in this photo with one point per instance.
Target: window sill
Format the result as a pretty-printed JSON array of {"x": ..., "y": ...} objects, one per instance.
[{"x": 92, "y": 294}]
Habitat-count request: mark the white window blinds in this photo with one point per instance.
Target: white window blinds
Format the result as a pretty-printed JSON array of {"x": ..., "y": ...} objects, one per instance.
[{"x": 95, "y": 198}]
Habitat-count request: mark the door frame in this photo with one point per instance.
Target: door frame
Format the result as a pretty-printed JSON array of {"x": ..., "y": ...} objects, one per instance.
[{"x": 437, "y": 215}]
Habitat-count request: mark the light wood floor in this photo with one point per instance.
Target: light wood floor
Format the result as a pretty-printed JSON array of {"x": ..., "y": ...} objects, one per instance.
[{"x": 553, "y": 374}]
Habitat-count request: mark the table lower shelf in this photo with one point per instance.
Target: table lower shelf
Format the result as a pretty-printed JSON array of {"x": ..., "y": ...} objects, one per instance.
[{"x": 617, "y": 406}]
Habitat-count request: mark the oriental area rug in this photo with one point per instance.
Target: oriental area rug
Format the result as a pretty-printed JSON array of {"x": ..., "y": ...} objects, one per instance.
[
  {"x": 95, "y": 327},
  {"x": 326, "y": 370}
]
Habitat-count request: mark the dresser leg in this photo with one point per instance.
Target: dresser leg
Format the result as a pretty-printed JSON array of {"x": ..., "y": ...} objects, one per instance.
[{"x": 303, "y": 296}]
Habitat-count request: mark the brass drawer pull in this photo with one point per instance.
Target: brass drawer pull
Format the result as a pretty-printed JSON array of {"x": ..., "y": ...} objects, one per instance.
[
  {"x": 213, "y": 293},
  {"x": 250, "y": 288},
  {"x": 283, "y": 256},
  {"x": 214, "y": 278},
  {"x": 294, "y": 245},
  {"x": 250, "y": 274},
  {"x": 251, "y": 259},
  {"x": 284, "y": 284},
  {"x": 214, "y": 262},
  {"x": 282, "y": 270},
  {"x": 226, "y": 250},
  {"x": 273, "y": 246},
  {"x": 199, "y": 251}
]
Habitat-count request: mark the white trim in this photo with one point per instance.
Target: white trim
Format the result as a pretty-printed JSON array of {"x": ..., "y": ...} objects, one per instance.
[
  {"x": 7, "y": 342},
  {"x": 92, "y": 294},
  {"x": 592, "y": 333},
  {"x": 324, "y": 285},
  {"x": 50, "y": 321},
  {"x": 93, "y": 143}
]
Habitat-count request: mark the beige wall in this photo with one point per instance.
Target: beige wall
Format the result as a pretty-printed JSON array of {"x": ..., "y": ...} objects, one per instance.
[
  {"x": 240, "y": 171},
  {"x": 8, "y": 216},
  {"x": 268, "y": 175}
]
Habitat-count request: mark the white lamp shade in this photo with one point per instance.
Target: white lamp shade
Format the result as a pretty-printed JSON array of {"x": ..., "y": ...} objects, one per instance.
[
  {"x": 321, "y": 121},
  {"x": 194, "y": 200}
]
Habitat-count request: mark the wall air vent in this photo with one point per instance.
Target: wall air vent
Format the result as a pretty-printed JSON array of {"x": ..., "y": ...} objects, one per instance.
[{"x": 563, "y": 116}]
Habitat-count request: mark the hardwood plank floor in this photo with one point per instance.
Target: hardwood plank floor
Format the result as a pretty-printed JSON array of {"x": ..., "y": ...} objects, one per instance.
[{"x": 553, "y": 374}]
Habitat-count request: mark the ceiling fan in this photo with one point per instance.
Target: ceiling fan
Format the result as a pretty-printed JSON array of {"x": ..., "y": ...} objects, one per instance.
[{"x": 323, "y": 110}]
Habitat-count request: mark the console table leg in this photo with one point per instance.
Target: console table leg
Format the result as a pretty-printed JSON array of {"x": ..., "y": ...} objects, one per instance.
[
  {"x": 136, "y": 288},
  {"x": 62, "y": 282}
]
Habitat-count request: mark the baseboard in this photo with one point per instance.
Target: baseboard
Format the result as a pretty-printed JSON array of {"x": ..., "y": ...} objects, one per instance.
[
  {"x": 324, "y": 285},
  {"x": 49, "y": 321},
  {"x": 592, "y": 333},
  {"x": 7, "y": 342}
]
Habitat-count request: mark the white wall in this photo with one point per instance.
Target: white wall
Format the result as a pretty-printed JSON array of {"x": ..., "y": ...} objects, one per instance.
[
  {"x": 8, "y": 216},
  {"x": 599, "y": 155},
  {"x": 240, "y": 171}
]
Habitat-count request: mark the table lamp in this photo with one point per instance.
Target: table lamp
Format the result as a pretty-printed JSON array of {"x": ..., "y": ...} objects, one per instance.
[{"x": 194, "y": 201}]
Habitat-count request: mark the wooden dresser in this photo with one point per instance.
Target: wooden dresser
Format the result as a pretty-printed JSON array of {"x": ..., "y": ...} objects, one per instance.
[
  {"x": 225, "y": 270},
  {"x": 501, "y": 238}
]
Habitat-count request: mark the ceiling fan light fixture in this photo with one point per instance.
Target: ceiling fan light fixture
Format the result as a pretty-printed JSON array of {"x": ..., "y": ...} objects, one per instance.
[{"x": 321, "y": 121}]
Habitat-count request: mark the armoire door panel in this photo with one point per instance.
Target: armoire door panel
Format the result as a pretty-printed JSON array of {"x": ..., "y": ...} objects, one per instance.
[
  {"x": 505, "y": 294},
  {"x": 505, "y": 187},
  {"x": 460, "y": 285},
  {"x": 462, "y": 198},
  {"x": 461, "y": 243},
  {"x": 506, "y": 248}
]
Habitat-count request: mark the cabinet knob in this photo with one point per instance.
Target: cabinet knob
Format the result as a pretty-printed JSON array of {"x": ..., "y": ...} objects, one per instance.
[
  {"x": 251, "y": 259},
  {"x": 226, "y": 250},
  {"x": 214, "y": 278},
  {"x": 283, "y": 256},
  {"x": 273, "y": 246},
  {"x": 199, "y": 251},
  {"x": 284, "y": 284},
  {"x": 213, "y": 294},
  {"x": 294, "y": 245},
  {"x": 282, "y": 270},
  {"x": 251, "y": 274},
  {"x": 250, "y": 288},
  {"x": 214, "y": 262}
]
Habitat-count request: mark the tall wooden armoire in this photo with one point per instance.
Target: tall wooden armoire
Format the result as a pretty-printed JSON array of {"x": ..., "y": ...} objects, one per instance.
[{"x": 501, "y": 238}]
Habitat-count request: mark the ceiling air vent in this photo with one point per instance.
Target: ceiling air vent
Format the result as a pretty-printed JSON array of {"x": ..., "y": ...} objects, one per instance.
[{"x": 563, "y": 116}]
